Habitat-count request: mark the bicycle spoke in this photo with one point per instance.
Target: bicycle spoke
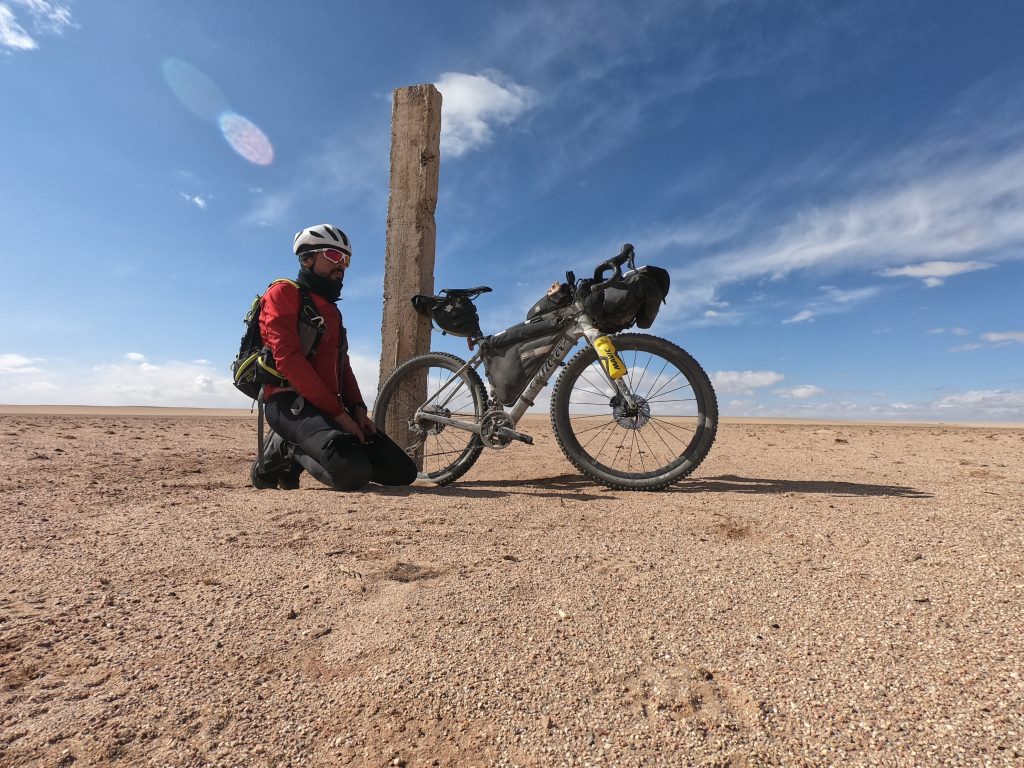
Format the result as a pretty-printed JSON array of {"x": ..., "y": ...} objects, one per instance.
[
  {"x": 669, "y": 426},
  {"x": 591, "y": 429},
  {"x": 605, "y": 443},
  {"x": 661, "y": 437},
  {"x": 666, "y": 383},
  {"x": 650, "y": 450}
]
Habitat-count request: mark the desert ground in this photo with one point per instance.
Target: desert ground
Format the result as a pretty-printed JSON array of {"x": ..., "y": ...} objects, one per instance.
[{"x": 816, "y": 594}]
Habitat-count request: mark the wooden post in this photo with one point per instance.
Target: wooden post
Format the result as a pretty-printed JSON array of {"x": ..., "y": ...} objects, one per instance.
[{"x": 411, "y": 233}]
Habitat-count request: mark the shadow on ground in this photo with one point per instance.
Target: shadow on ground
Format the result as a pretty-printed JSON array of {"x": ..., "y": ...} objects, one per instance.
[
  {"x": 580, "y": 488},
  {"x": 736, "y": 484}
]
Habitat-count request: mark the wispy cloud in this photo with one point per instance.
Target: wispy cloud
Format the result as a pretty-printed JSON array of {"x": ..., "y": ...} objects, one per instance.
[
  {"x": 831, "y": 301},
  {"x": 474, "y": 105},
  {"x": 197, "y": 200},
  {"x": 134, "y": 381},
  {"x": 1004, "y": 337},
  {"x": 802, "y": 392},
  {"x": 11, "y": 363},
  {"x": 987, "y": 403},
  {"x": 744, "y": 382},
  {"x": 45, "y": 18},
  {"x": 269, "y": 209},
  {"x": 800, "y": 317},
  {"x": 934, "y": 273},
  {"x": 992, "y": 339},
  {"x": 12, "y": 35},
  {"x": 137, "y": 379},
  {"x": 955, "y": 217},
  {"x": 998, "y": 405}
]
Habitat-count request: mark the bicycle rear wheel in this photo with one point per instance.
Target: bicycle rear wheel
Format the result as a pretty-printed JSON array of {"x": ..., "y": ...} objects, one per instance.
[
  {"x": 661, "y": 441},
  {"x": 442, "y": 453}
]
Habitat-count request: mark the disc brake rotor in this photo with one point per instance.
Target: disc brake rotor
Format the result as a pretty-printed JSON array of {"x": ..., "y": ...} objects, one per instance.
[{"x": 631, "y": 418}]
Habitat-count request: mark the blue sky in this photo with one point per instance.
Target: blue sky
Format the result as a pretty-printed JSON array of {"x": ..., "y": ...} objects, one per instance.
[{"x": 836, "y": 188}]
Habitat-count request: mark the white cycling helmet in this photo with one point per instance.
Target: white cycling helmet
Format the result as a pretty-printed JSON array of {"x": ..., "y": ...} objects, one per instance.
[{"x": 319, "y": 237}]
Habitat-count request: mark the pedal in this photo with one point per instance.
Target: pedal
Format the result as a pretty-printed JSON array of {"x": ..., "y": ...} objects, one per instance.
[{"x": 511, "y": 434}]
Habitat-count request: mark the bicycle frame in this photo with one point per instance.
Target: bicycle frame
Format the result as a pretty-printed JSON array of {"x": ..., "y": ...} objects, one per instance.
[{"x": 583, "y": 327}]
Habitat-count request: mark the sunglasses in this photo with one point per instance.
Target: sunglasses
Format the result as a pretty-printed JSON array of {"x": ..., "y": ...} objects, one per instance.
[{"x": 335, "y": 256}]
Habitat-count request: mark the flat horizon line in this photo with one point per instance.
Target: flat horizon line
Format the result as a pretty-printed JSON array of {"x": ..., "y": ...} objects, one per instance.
[{"x": 194, "y": 411}]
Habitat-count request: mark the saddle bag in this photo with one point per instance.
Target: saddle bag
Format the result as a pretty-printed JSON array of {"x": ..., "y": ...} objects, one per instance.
[
  {"x": 511, "y": 358},
  {"x": 456, "y": 315},
  {"x": 635, "y": 300}
]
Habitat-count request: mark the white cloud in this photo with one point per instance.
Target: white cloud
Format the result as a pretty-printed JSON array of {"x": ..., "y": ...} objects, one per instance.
[
  {"x": 472, "y": 105},
  {"x": 132, "y": 382},
  {"x": 12, "y": 34},
  {"x": 928, "y": 220},
  {"x": 366, "y": 368},
  {"x": 1005, "y": 337},
  {"x": 743, "y": 382},
  {"x": 934, "y": 273},
  {"x": 802, "y": 392},
  {"x": 46, "y": 17},
  {"x": 991, "y": 403},
  {"x": 954, "y": 331},
  {"x": 832, "y": 301},
  {"x": 800, "y": 317},
  {"x": 992, "y": 339},
  {"x": 20, "y": 364},
  {"x": 137, "y": 381},
  {"x": 197, "y": 200},
  {"x": 270, "y": 209}
]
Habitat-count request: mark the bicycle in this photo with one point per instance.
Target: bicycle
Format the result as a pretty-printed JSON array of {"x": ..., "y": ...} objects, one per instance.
[{"x": 630, "y": 423}]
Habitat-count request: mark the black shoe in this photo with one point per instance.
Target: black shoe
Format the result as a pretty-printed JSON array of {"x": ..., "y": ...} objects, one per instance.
[
  {"x": 289, "y": 480},
  {"x": 264, "y": 481}
]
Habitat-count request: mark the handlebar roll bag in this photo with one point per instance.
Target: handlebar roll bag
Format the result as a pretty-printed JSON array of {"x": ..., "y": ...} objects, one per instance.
[{"x": 634, "y": 300}]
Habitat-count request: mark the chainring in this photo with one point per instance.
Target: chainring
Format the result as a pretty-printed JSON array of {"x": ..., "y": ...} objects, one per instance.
[{"x": 490, "y": 426}]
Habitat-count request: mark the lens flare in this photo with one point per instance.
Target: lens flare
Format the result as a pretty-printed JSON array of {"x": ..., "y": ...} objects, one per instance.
[
  {"x": 197, "y": 93},
  {"x": 246, "y": 138}
]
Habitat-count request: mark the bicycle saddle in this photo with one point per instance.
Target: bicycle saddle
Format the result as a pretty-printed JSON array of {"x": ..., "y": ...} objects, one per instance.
[{"x": 454, "y": 292}]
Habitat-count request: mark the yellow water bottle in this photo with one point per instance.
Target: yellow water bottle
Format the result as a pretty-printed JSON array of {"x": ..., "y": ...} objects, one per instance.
[{"x": 609, "y": 358}]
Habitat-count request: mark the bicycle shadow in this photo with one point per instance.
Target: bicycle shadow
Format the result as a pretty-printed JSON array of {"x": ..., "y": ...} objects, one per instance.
[
  {"x": 567, "y": 486},
  {"x": 737, "y": 484},
  {"x": 579, "y": 488}
]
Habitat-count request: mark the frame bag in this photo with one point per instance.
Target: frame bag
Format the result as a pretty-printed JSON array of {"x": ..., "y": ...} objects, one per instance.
[{"x": 511, "y": 358}]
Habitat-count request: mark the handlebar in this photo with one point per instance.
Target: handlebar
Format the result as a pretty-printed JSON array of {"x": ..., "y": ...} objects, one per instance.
[{"x": 615, "y": 263}]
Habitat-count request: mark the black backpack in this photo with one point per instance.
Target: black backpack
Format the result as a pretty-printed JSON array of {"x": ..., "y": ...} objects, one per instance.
[{"x": 253, "y": 366}]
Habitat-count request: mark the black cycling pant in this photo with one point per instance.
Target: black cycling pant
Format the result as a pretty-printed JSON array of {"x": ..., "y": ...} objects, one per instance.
[{"x": 334, "y": 457}]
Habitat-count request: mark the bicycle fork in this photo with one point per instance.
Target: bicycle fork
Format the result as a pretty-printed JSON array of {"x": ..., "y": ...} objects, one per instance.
[{"x": 604, "y": 348}]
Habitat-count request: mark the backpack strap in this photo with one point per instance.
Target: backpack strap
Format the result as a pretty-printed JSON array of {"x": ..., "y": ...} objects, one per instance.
[{"x": 308, "y": 314}]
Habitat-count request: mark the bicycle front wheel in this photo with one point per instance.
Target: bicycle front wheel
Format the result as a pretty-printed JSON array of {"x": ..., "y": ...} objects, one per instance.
[
  {"x": 646, "y": 448},
  {"x": 440, "y": 384}
]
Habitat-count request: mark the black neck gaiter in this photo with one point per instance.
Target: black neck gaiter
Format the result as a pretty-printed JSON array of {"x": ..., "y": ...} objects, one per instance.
[{"x": 322, "y": 286}]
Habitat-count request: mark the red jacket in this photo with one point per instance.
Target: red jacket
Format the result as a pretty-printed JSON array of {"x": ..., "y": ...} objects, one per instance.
[{"x": 326, "y": 379}]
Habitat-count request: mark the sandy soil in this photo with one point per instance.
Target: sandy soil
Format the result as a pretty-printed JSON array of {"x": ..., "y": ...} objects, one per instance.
[{"x": 817, "y": 595}]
